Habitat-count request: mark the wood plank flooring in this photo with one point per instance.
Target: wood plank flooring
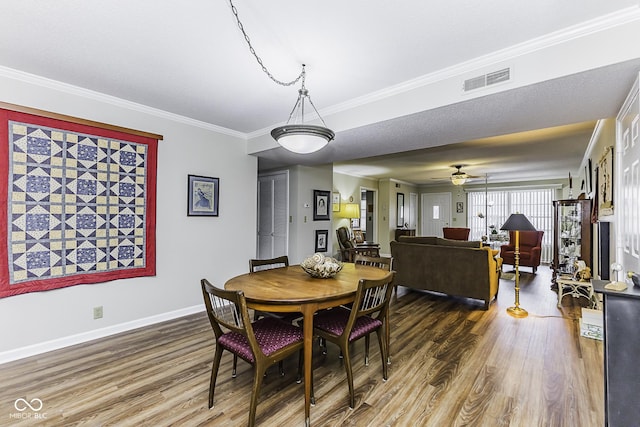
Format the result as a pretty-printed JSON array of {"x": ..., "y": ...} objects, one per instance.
[{"x": 453, "y": 364}]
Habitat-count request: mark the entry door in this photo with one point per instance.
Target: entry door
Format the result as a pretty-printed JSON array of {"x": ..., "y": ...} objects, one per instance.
[
  {"x": 273, "y": 213},
  {"x": 628, "y": 150},
  {"x": 436, "y": 213}
]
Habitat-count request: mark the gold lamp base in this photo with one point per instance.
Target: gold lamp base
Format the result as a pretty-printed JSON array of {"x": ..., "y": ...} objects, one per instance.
[{"x": 517, "y": 312}]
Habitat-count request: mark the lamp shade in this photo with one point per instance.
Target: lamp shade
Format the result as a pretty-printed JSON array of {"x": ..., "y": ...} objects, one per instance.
[
  {"x": 519, "y": 222},
  {"x": 302, "y": 139},
  {"x": 459, "y": 178},
  {"x": 350, "y": 210}
]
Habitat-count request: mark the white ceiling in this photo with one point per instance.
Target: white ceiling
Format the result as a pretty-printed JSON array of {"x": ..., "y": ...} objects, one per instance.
[{"x": 380, "y": 73}]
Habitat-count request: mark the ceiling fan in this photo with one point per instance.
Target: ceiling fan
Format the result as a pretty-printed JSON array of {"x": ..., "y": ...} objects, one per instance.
[{"x": 459, "y": 177}]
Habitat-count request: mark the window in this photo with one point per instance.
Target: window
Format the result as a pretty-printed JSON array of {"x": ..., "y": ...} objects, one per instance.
[{"x": 492, "y": 208}]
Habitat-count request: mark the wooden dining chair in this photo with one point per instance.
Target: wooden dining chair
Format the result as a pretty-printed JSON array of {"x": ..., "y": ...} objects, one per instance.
[
  {"x": 385, "y": 263},
  {"x": 369, "y": 313},
  {"x": 269, "y": 264},
  {"x": 261, "y": 343},
  {"x": 380, "y": 262}
]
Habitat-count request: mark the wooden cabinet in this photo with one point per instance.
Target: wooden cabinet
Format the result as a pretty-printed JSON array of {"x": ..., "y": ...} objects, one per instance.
[
  {"x": 405, "y": 232},
  {"x": 571, "y": 236},
  {"x": 621, "y": 350}
]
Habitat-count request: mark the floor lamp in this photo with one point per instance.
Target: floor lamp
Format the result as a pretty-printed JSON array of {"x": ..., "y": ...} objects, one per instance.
[{"x": 517, "y": 222}]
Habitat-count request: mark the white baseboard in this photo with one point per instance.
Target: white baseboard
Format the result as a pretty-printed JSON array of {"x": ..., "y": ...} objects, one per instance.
[{"x": 32, "y": 350}]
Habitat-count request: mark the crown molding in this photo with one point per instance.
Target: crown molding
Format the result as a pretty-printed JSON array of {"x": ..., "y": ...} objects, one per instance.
[
  {"x": 583, "y": 29},
  {"x": 602, "y": 23},
  {"x": 112, "y": 100}
]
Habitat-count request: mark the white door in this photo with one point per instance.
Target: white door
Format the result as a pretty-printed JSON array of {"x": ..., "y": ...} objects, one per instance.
[
  {"x": 273, "y": 212},
  {"x": 413, "y": 211},
  {"x": 628, "y": 183},
  {"x": 436, "y": 213},
  {"x": 368, "y": 198}
]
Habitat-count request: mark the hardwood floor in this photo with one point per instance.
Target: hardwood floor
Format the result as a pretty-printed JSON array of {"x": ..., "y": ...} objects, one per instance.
[{"x": 453, "y": 364}]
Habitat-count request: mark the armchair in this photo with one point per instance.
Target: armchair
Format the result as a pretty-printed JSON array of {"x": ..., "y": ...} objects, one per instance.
[
  {"x": 530, "y": 247},
  {"x": 348, "y": 247},
  {"x": 456, "y": 233}
]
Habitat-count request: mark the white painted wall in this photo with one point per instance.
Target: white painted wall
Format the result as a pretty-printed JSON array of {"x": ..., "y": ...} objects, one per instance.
[
  {"x": 188, "y": 248},
  {"x": 604, "y": 136},
  {"x": 348, "y": 186},
  {"x": 302, "y": 181}
]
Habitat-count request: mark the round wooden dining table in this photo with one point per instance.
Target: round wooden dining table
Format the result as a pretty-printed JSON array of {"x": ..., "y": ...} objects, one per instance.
[{"x": 291, "y": 290}]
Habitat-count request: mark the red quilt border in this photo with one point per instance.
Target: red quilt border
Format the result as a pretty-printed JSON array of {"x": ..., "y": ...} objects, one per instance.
[{"x": 85, "y": 278}]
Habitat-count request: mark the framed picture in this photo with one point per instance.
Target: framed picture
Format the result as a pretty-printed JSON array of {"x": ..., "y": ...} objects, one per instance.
[
  {"x": 321, "y": 240},
  {"x": 459, "y": 207},
  {"x": 335, "y": 202},
  {"x": 320, "y": 205},
  {"x": 202, "y": 195},
  {"x": 605, "y": 183}
]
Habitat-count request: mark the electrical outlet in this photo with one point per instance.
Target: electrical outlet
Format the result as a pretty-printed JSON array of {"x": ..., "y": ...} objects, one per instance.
[{"x": 97, "y": 312}]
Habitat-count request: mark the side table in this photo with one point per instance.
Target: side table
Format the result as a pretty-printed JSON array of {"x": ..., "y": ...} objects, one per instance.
[{"x": 577, "y": 289}]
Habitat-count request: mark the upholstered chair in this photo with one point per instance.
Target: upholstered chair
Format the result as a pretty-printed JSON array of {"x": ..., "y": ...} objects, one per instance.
[
  {"x": 369, "y": 313},
  {"x": 348, "y": 247},
  {"x": 530, "y": 247},
  {"x": 456, "y": 233},
  {"x": 260, "y": 343}
]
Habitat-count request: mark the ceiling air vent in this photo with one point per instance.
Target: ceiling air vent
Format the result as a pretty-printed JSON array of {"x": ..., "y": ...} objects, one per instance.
[{"x": 487, "y": 79}]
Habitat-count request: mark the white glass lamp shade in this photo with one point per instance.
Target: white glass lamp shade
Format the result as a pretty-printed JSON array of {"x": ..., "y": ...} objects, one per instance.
[
  {"x": 459, "y": 178},
  {"x": 302, "y": 139}
]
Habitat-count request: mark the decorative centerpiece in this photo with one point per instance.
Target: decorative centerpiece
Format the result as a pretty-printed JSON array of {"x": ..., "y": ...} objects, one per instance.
[{"x": 320, "y": 266}]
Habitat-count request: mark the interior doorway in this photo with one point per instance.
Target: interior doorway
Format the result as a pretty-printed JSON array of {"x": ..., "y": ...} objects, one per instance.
[
  {"x": 368, "y": 213},
  {"x": 413, "y": 211}
]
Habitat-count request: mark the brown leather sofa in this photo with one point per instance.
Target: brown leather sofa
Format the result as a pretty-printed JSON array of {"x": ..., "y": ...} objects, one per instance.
[
  {"x": 452, "y": 267},
  {"x": 529, "y": 246}
]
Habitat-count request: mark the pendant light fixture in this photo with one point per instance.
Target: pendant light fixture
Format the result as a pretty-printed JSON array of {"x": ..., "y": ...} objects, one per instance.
[{"x": 295, "y": 135}]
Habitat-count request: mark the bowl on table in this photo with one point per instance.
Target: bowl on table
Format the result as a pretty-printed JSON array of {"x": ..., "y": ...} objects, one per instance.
[{"x": 320, "y": 266}]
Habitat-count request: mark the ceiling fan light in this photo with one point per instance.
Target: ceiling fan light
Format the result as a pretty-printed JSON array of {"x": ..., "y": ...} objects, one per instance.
[
  {"x": 458, "y": 178},
  {"x": 301, "y": 138}
]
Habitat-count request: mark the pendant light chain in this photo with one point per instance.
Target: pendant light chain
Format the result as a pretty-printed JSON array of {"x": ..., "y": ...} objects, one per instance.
[
  {"x": 253, "y": 52},
  {"x": 300, "y": 138}
]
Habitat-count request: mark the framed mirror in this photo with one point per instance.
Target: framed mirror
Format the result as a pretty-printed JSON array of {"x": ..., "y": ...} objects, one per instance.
[{"x": 400, "y": 207}]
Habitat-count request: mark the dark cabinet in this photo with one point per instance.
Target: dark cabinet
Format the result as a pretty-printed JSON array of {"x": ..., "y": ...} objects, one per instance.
[
  {"x": 621, "y": 350},
  {"x": 405, "y": 232},
  {"x": 571, "y": 235}
]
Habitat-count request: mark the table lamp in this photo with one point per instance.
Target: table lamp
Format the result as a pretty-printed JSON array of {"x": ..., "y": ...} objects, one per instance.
[
  {"x": 351, "y": 211},
  {"x": 517, "y": 222}
]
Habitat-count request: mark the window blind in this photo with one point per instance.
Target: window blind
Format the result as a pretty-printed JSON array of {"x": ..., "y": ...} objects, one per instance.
[{"x": 492, "y": 208}]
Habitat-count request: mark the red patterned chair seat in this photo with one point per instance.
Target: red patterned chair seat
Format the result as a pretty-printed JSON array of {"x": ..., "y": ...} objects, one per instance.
[
  {"x": 272, "y": 335},
  {"x": 334, "y": 321}
]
